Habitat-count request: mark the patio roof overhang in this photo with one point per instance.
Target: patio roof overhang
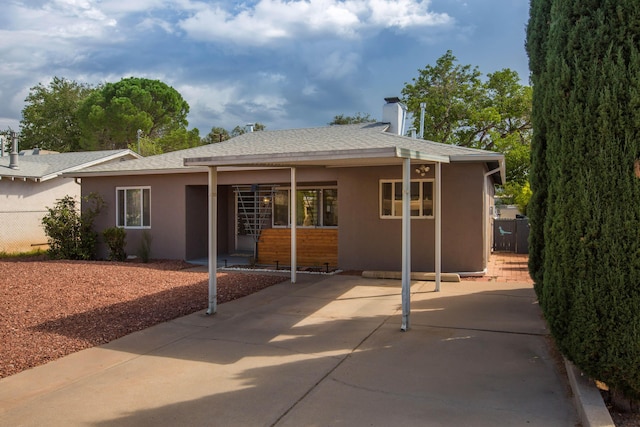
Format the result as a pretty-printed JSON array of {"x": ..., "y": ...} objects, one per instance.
[
  {"x": 321, "y": 158},
  {"x": 361, "y": 157}
]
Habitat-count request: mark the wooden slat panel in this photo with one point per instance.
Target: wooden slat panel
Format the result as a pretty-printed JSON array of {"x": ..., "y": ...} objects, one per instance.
[{"x": 316, "y": 246}]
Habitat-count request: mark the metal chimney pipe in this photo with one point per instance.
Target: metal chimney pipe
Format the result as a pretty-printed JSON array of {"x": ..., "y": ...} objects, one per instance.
[
  {"x": 13, "y": 156},
  {"x": 423, "y": 106}
]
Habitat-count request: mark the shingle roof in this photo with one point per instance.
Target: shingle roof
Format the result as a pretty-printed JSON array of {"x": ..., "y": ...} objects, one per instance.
[
  {"x": 341, "y": 139},
  {"x": 276, "y": 147},
  {"x": 42, "y": 167}
]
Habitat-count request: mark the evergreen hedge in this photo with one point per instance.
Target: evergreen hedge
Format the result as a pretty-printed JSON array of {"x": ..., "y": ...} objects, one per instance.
[{"x": 585, "y": 210}]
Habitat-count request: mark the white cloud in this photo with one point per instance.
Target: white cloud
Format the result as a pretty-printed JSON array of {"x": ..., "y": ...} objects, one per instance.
[
  {"x": 229, "y": 104},
  {"x": 404, "y": 14},
  {"x": 336, "y": 65},
  {"x": 309, "y": 90},
  {"x": 58, "y": 19},
  {"x": 273, "y": 20}
]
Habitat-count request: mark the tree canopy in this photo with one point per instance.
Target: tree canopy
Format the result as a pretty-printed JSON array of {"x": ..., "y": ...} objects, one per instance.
[
  {"x": 240, "y": 130},
  {"x": 49, "y": 118},
  {"x": 464, "y": 109},
  {"x": 341, "y": 119},
  {"x": 217, "y": 134},
  {"x": 112, "y": 114}
]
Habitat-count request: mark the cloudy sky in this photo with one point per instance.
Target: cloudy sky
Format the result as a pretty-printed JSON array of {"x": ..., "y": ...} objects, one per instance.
[{"x": 283, "y": 63}]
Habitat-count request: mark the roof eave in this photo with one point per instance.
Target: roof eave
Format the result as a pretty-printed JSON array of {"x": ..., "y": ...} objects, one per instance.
[
  {"x": 88, "y": 174},
  {"x": 317, "y": 158}
]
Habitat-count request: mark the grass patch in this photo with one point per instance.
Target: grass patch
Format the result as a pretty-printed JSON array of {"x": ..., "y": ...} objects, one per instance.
[{"x": 20, "y": 255}]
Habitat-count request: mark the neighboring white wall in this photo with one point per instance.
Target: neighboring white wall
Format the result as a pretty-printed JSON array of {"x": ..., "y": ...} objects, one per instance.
[
  {"x": 507, "y": 211},
  {"x": 23, "y": 204}
]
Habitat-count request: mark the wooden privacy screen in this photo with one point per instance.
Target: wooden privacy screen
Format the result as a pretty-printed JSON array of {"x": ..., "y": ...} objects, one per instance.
[{"x": 316, "y": 246}]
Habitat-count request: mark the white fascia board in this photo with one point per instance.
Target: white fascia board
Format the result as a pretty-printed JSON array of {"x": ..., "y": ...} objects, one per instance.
[
  {"x": 477, "y": 157},
  {"x": 127, "y": 172},
  {"x": 100, "y": 161},
  {"x": 291, "y": 158},
  {"x": 405, "y": 153},
  {"x": 195, "y": 169}
]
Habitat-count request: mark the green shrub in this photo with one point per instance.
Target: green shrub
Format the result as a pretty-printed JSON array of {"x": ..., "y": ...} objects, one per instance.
[
  {"x": 70, "y": 232},
  {"x": 115, "y": 238},
  {"x": 144, "y": 252}
]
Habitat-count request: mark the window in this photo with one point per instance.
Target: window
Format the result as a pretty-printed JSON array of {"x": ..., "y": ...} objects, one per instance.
[
  {"x": 421, "y": 203},
  {"x": 133, "y": 207},
  {"x": 315, "y": 207}
]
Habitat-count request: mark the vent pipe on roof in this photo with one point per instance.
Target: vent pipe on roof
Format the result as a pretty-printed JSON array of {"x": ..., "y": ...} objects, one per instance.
[
  {"x": 13, "y": 156},
  {"x": 423, "y": 107},
  {"x": 250, "y": 126},
  {"x": 394, "y": 112}
]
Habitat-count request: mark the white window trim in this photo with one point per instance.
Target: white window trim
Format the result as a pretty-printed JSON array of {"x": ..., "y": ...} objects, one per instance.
[
  {"x": 133, "y": 227},
  {"x": 393, "y": 182},
  {"x": 288, "y": 190}
]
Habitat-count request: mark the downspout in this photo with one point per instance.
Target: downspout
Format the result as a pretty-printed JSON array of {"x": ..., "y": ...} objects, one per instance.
[
  {"x": 485, "y": 219},
  {"x": 213, "y": 244}
]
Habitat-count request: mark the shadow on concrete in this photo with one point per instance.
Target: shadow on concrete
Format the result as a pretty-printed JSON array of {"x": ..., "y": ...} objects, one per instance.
[{"x": 329, "y": 351}]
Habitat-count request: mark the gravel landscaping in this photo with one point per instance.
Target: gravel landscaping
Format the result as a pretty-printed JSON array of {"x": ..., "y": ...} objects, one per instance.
[{"x": 49, "y": 309}]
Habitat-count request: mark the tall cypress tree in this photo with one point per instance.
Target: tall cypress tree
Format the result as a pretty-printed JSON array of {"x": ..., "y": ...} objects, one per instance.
[
  {"x": 585, "y": 64},
  {"x": 537, "y": 34}
]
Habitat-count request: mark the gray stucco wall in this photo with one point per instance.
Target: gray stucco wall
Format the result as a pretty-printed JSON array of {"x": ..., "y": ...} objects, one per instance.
[
  {"x": 176, "y": 231},
  {"x": 23, "y": 204},
  {"x": 368, "y": 242},
  {"x": 168, "y": 201},
  {"x": 365, "y": 240}
]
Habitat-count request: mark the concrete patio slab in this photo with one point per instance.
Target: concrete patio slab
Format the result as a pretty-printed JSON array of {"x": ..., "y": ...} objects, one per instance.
[{"x": 326, "y": 351}]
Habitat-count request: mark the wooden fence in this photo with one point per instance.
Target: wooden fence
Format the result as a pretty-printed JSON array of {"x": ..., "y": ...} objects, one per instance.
[
  {"x": 511, "y": 235},
  {"x": 316, "y": 246}
]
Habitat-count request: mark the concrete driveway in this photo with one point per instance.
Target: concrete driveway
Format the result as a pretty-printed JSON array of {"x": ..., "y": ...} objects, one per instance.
[{"x": 326, "y": 351}]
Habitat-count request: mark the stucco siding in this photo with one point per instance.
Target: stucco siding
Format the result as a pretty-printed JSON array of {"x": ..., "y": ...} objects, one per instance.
[
  {"x": 168, "y": 211},
  {"x": 370, "y": 242},
  {"x": 366, "y": 241},
  {"x": 179, "y": 232},
  {"x": 23, "y": 204}
]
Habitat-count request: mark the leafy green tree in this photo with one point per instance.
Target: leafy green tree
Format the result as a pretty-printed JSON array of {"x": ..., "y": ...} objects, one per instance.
[
  {"x": 585, "y": 63},
  {"x": 463, "y": 110},
  {"x": 452, "y": 93},
  {"x": 240, "y": 130},
  {"x": 217, "y": 134},
  {"x": 111, "y": 116},
  {"x": 341, "y": 119},
  {"x": 5, "y": 139},
  {"x": 49, "y": 118},
  {"x": 179, "y": 139},
  {"x": 70, "y": 232},
  {"x": 145, "y": 147}
]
